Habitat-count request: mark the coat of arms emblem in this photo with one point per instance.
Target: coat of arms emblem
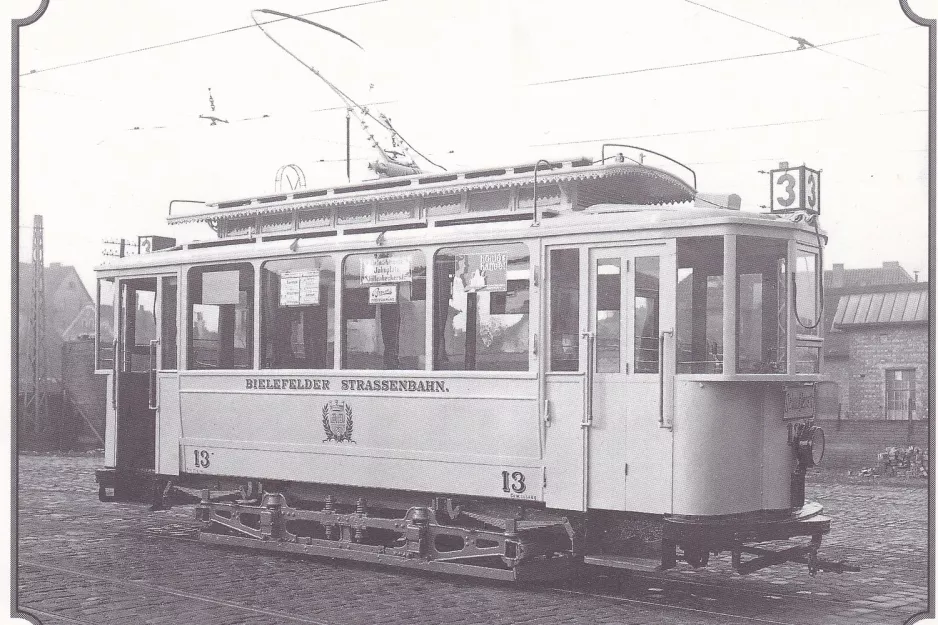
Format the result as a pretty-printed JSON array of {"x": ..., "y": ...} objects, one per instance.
[{"x": 337, "y": 421}]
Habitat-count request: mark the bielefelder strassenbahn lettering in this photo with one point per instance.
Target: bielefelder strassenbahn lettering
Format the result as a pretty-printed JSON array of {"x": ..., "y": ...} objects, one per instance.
[{"x": 377, "y": 384}]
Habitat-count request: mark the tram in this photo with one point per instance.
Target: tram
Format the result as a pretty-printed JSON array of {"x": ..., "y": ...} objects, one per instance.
[{"x": 502, "y": 372}]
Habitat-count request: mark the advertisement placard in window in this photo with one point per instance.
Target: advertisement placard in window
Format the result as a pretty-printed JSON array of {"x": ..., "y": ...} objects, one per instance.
[
  {"x": 383, "y": 270},
  {"x": 299, "y": 288},
  {"x": 483, "y": 271},
  {"x": 386, "y": 294}
]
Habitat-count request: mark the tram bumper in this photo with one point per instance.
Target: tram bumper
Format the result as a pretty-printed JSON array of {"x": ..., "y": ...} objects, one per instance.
[{"x": 698, "y": 537}]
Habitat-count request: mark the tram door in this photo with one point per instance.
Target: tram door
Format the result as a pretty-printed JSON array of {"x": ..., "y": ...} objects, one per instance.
[
  {"x": 136, "y": 362},
  {"x": 631, "y": 301}
]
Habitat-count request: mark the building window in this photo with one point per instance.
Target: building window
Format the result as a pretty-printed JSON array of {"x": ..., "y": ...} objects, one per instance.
[
  {"x": 105, "y": 333},
  {"x": 700, "y": 305},
  {"x": 565, "y": 310},
  {"x": 384, "y": 311},
  {"x": 762, "y": 306},
  {"x": 221, "y": 316},
  {"x": 298, "y": 313},
  {"x": 480, "y": 308},
  {"x": 900, "y": 394}
]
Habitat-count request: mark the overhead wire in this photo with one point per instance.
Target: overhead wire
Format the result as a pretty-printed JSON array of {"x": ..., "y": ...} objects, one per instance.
[
  {"x": 190, "y": 39},
  {"x": 803, "y": 44},
  {"x": 729, "y": 128},
  {"x": 706, "y": 62}
]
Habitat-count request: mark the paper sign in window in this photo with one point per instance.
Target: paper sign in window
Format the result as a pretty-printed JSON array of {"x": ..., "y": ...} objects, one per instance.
[
  {"x": 220, "y": 287},
  {"x": 382, "y": 270},
  {"x": 386, "y": 294},
  {"x": 299, "y": 288},
  {"x": 483, "y": 271}
]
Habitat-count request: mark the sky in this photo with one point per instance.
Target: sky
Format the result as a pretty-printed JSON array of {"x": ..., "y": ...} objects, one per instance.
[{"x": 107, "y": 143}]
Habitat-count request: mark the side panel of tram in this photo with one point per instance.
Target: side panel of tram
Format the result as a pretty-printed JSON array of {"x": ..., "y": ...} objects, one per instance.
[{"x": 651, "y": 350}]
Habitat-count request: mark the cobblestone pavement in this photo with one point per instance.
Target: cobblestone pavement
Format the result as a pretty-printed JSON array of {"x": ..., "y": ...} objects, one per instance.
[{"x": 82, "y": 561}]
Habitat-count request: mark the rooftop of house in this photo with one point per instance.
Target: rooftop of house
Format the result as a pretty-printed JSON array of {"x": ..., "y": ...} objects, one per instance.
[{"x": 889, "y": 274}]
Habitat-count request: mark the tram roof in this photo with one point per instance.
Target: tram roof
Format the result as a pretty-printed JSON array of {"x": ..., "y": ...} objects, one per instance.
[
  {"x": 619, "y": 182},
  {"x": 597, "y": 218}
]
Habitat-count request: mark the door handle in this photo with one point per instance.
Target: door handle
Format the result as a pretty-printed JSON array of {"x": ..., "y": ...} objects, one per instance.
[
  {"x": 590, "y": 366},
  {"x": 661, "y": 342},
  {"x": 151, "y": 391},
  {"x": 114, "y": 369}
]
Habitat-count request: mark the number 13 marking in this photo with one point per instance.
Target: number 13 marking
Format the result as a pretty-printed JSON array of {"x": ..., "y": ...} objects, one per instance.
[{"x": 516, "y": 484}]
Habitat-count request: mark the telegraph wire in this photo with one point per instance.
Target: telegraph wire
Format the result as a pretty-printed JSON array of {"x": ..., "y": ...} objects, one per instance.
[
  {"x": 803, "y": 44},
  {"x": 190, "y": 39},
  {"x": 729, "y": 128},
  {"x": 707, "y": 62}
]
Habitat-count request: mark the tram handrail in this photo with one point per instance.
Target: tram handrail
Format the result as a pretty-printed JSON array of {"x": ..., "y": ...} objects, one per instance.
[
  {"x": 661, "y": 341},
  {"x": 664, "y": 156},
  {"x": 116, "y": 368},
  {"x": 590, "y": 349},
  {"x": 151, "y": 375}
]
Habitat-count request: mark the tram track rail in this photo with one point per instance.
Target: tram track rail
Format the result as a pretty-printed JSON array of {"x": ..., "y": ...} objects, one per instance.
[
  {"x": 138, "y": 586},
  {"x": 666, "y": 582}
]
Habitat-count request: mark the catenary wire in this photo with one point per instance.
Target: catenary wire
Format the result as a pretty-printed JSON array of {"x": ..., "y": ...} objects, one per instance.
[
  {"x": 190, "y": 39},
  {"x": 706, "y": 62},
  {"x": 803, "y": 43}
]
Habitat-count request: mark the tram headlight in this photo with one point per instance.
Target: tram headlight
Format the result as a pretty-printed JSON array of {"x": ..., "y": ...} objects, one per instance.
[{"x": 809, "y": 446}]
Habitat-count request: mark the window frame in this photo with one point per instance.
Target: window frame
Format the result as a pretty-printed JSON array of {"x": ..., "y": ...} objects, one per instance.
[
  {"x": 532, "y": 309},
  {"x": 252, "y": 324},
  {"x": 97, "y": 321},
  {"x": 337, "y": 261},
  {"x": 341, "y": 261}
]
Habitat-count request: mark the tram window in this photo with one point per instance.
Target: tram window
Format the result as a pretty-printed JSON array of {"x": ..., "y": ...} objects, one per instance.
[
  {"x": 762, "y": 306},
  {"x": 646, "y": 308},
  {"x": 139, "y": 323},
  {"x": 105, "y": 323},
  {"x": 480, "y": 308},
  {"x": 168, "y": 323},
  {"x": 608, "y": 314},
  {"x": 700, "y": 305},
  {"x": 221, "y": 317},
  {"x": 564, "y": 310},
  {"x": 807, "y": 293},
  {"x": 297, "y": 313},
  {"x": 384, "y": 311},
  {"x": 807, "y": 359}
]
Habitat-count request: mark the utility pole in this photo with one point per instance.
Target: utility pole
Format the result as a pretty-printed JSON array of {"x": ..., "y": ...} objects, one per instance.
[{"x": 36, "y": 405}]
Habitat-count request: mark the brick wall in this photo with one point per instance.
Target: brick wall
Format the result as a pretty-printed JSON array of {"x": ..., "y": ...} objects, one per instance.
[
  {"x": 872, "y": 351},
  {"x": 854, "y": 444}
]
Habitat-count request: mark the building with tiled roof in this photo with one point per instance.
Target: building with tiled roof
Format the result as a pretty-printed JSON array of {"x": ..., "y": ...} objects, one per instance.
[{"x": 876, "y": 346}]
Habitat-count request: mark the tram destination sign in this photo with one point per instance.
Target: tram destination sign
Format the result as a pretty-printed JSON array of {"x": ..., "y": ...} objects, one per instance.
[{"x": 389, "y": 269}]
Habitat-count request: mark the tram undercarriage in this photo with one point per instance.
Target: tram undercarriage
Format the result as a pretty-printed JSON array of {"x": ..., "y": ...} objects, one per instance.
[{"x": 495, "y": 540}]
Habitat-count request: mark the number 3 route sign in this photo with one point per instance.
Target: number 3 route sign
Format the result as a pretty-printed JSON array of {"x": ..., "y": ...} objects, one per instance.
[{"x": 795, "y": 189}]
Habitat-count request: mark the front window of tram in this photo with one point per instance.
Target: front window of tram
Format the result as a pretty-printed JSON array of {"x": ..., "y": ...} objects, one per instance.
[
  {"x": 762, "y": 305},
  {"x": 807, "y": 303}
]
